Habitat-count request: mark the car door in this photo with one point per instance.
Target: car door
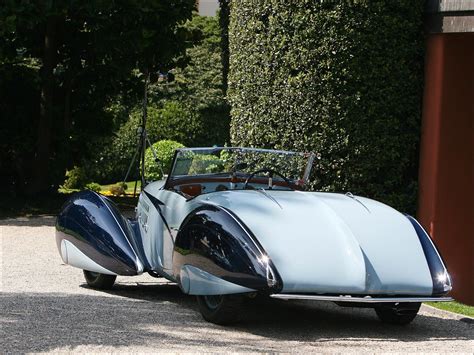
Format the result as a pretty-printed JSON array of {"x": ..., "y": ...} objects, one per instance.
[
  {"x": 151, "y": 230},
  {"x": 174, "y": 209}
]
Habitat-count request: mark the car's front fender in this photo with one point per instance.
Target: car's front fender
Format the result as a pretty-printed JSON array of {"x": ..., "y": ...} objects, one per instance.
[{"x": 92, "y": 235}]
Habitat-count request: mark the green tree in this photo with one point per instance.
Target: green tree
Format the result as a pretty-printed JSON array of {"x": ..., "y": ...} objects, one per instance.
[
  {"x": 86, "y": 53},
  {"x": 191, "y": 110},
  {"x": 224, "y": 15},
  {"x": 199, "y": 86}
]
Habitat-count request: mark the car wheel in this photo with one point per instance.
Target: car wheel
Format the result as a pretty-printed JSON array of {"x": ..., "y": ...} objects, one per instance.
[
  {"x": 99, "y": 281},
  {"x": 401, "y": 314},
  {"x": 220, "y": 309}
]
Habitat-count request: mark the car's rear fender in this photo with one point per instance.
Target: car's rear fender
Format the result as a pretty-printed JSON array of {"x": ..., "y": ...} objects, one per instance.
[
  {"x": 91, "y": 234},
  {"x": 439, "y": 273},
  {"x": 215, "y": 253}
]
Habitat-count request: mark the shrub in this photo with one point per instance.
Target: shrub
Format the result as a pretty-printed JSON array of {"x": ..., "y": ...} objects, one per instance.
[
  {"x": 93, "y": 186},
  {"x": 164, "y": 151},
  {"x": 343, "y": 79},
  {"x": 75, "y": 178},
  {"x": 174, "y": 121},
  {"x": 118, "y": 189},
  {"x": 206, "y": 164}
]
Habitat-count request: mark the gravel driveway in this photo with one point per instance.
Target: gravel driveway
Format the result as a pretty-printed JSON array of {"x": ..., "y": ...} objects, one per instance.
[{"x": 45, "y": 306}]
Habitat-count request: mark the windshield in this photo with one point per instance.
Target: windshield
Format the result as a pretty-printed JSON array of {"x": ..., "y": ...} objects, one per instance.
[{"x": 289, "y": 170}]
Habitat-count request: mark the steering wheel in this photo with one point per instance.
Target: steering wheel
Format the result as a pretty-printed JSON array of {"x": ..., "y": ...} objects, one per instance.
[{"x": 271, "y": 173}]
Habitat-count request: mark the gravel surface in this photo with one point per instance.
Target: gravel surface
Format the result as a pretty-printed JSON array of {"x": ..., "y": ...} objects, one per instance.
[{"x": 46, "y": 306}]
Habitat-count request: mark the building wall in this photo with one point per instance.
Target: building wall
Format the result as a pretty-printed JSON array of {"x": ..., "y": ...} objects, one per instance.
[{"x": 446, "y": 195}]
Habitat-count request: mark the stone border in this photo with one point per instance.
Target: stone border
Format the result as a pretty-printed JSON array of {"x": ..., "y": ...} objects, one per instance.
[{"x": 447, "y": 314}]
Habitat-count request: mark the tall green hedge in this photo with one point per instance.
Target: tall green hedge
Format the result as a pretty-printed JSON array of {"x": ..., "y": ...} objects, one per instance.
[{"x": 340, "y": 78}]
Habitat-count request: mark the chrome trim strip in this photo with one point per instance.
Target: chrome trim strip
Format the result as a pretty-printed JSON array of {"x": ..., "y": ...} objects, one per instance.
[
  {"x": 349, "y": 194},
  {"x": 289, "y": 152},
  {"x": 271, "y": 198},
  {"x": 309, "y": 167},
  {"x": 366, "y": 299}
]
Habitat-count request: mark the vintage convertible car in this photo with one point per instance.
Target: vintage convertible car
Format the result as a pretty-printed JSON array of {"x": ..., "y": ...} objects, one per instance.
[{"x": 231, "y": 223}]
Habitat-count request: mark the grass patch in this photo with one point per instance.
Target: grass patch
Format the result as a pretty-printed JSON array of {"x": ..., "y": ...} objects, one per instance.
[
  {"x": 455, "y": 307},
  {"x": 106, "y": 189},
  {"x": 128, "y": 191}
]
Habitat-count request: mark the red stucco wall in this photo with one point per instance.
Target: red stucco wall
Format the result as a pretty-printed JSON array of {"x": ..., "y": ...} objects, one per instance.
[{"x": 446, "y": 194}]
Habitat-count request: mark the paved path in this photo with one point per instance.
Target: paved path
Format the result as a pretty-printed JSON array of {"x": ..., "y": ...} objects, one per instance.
[{"x": 45, "y": 306}]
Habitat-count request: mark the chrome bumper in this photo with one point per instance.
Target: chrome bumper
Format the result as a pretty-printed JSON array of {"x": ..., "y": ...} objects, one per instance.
[{"x": 366, "y": 299}]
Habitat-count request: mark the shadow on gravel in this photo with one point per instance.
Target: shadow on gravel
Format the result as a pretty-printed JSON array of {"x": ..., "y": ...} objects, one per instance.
[
  {"x": 36, "y": 221},
  {"x": 162, "y": 318},
  {"x": 39, "y": 211}
]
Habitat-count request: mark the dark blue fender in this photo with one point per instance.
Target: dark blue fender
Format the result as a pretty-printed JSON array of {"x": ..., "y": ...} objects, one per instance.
[
  {"x": 95, "y": 226},
  {"x": 214, "y": 240},
  {"x": 439, "y": 273}
]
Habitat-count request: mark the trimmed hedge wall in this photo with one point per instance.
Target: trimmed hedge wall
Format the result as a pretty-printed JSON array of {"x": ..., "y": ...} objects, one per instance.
[{"x": 343, "y": 79}]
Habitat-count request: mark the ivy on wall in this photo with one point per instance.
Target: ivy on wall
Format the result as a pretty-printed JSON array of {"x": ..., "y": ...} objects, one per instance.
[{"x": 343, "y": 79}]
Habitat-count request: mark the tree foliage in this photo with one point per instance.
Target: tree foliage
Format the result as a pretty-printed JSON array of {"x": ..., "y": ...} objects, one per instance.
[
  {"x": 191, "y": 110},
  {"x": 199, "y": 85},
  {"x": 164, "y": 151},
  {"x": 342, "y": 79},
  {"x": 110, "y": 157},
  {"x": 224, "y": 15},
  {"x": 80, "y": 58}
]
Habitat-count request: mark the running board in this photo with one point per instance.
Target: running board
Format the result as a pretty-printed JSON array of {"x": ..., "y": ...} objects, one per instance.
[{"x": 366, "y": 299}]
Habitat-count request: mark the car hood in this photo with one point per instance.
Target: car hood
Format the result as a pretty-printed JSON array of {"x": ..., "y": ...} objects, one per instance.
[{"x": 333, "y": 243}]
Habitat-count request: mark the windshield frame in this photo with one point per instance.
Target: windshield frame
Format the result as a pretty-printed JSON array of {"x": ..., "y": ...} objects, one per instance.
[{"x": 305, "y": 178}]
